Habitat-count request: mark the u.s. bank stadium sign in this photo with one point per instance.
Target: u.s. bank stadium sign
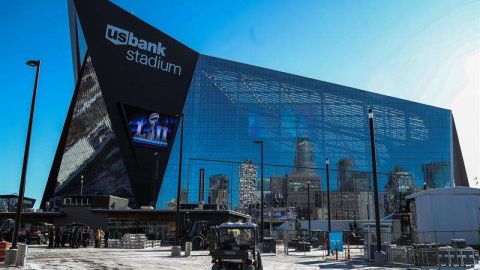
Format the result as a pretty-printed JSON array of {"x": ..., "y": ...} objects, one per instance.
[{"x": 151, "y": 54}]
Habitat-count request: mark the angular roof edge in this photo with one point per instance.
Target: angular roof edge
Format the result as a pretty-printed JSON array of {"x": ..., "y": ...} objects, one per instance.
[{"x": 318, "y": 80}]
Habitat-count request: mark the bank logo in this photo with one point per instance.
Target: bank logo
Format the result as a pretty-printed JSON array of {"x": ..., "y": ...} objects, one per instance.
[
  {"x": 119, "y": 36},
  {"x": 151, "y": 54}
]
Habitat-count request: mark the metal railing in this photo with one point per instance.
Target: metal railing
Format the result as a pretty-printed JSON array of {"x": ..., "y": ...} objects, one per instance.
[{"x": 437, "y": 248}]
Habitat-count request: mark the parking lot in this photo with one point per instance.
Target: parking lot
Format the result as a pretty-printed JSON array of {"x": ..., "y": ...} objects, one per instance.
[{"x": 159, "y": 258}]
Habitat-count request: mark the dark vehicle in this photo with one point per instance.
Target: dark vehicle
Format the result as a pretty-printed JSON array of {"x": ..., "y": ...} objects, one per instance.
[
  {"x": 6, "y": 229},
  {"x": 237, "y": 248},
  {"x": 34, "y": 233},
  {"x": 316, "y": 238},
  {"x": 197, "y": 234},
  {"x": 38, "y": 233}
]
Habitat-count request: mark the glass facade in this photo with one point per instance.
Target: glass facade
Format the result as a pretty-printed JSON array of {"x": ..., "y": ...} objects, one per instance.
[
  {"x": 8, "y": 203},
  {"x": 302, "y": 122},
  {"x": 91, "y": 162}
]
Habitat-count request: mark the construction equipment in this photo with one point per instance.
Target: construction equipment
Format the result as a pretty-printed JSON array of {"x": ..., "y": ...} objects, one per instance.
[{"x": 197, "y": 235}]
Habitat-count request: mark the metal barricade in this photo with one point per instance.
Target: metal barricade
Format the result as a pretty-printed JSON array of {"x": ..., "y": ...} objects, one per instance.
[
  {"x": 468, "y": 256},
  {"x": 444, "y": 257},
  {"x": 404, "y": 255}
]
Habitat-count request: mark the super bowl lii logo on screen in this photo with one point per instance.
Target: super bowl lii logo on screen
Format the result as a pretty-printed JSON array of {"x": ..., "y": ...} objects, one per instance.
[{"x": 147, "y": 53}]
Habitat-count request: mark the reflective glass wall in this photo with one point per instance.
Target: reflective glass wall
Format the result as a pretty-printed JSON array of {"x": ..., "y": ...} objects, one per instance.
[
  {"x": 91, "y": 163},
  {"x": 302, "y": 122}
]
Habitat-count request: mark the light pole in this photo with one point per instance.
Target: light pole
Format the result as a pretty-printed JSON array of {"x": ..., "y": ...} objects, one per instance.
[
  {"x": 375, "y": 183},
  {"x": 81, "y": 185},
  {"x": 177, "y": 223},
  {"x": 21, "y": 192},
  {"x": 261, "y": 189},
  {"x": 327, "y": 164},
  {"x": 308, "y": 207}
]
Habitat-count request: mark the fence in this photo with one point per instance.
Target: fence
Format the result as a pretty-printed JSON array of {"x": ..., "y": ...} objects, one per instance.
[{"x": 437, "y": 248}]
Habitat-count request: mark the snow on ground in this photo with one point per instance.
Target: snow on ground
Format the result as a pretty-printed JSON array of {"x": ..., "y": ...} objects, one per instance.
[{"x": 159, "y": 258}]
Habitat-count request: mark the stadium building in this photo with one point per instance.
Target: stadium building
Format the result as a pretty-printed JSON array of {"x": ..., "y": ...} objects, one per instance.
[{"x": 133, "y": 84}]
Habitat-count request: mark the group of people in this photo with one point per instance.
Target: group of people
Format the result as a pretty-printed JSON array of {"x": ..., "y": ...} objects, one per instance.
[{"x": 75, "y": 237}]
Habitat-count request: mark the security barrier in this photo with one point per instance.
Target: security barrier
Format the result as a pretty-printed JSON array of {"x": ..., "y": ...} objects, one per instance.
[
  {"x": 404, "y": 255},
  {"x": 431, "y": 255},
  {"x": 449, "y": 256}
]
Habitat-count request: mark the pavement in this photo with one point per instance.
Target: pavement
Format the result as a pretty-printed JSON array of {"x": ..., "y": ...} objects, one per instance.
[{"x": 40, "y": 257}]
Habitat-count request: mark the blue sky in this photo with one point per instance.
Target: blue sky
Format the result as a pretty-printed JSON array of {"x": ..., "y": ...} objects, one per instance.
[{"x": 426, "y": 51}]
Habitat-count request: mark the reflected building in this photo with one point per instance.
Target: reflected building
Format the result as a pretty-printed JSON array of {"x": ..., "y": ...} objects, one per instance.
[
  {"x": 349, "y": 205},
  {"x": 399, "y": 185},
  {"x": 349, "y": 180},
  {"x": 292, "y": 189},
  {"x": 435, "y": 174},
  {"x": 218, "y": 190},
  {"x": 247, "y": 185},
  {"x": 183, "y": 195},
  {"x": 279, "y": 191},
  {"x": 304, "y": 161}
]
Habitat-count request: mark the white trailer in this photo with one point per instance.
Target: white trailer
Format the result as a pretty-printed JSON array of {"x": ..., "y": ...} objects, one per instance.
[{"x": 440, "y": 215}]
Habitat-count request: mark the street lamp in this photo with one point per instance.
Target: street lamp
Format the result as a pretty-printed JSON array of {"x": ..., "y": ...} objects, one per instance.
[
  {"x": 327, "y": 164},
  {"x": 378, "y": 254},
  {"x": 21, "y": 192},
  {"x": 81, "y": 185},
  {"x": 177, "y": 223},
  {"x": 308, "y": 207},
  {"x": 261, "y": 189}
]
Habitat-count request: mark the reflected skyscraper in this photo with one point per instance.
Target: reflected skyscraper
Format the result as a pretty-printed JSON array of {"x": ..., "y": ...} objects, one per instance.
[
  {"x": 218, "y": 190},
  {"x": 349, "y": 180},
  {"x": 435, "y": 174},
  {"x": 304, "y": 162},
  {"x": 346, "y": 168},
  {"x": 247, "y": 185},
  {"x": 399, "y": 185}
]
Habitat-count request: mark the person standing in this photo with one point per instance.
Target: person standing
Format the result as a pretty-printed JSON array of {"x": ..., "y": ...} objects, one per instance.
[
  {"x": 106, "y": 237},
  {"x": 51, "y": 238},
  {"x": 58, "y": 236},
  {"x": 98, "y": 237},
  {"x": 86, "y": 237},
  {"x": 64, "y": 236},
  {"x": 76, "y": 238},
  {"x": 71, "y": 238}
]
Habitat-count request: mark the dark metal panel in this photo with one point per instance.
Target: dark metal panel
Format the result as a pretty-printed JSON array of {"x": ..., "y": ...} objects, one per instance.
[
  {"x": 114, "y": 39},
  {"x": 459, "y": 172}
]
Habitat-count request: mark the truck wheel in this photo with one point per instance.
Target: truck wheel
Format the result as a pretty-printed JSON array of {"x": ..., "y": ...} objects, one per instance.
[
  {"x": 250, "y": 267},
  {"x": 215, "y": 267},
  {"x": 197, "y": 243}
]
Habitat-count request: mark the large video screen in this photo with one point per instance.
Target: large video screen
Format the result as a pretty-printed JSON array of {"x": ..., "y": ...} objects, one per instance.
[{"x": 150, "y": 128}]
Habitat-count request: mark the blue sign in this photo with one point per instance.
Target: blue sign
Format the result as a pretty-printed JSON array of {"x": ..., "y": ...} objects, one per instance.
[{"x": 336, "y": 241}]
